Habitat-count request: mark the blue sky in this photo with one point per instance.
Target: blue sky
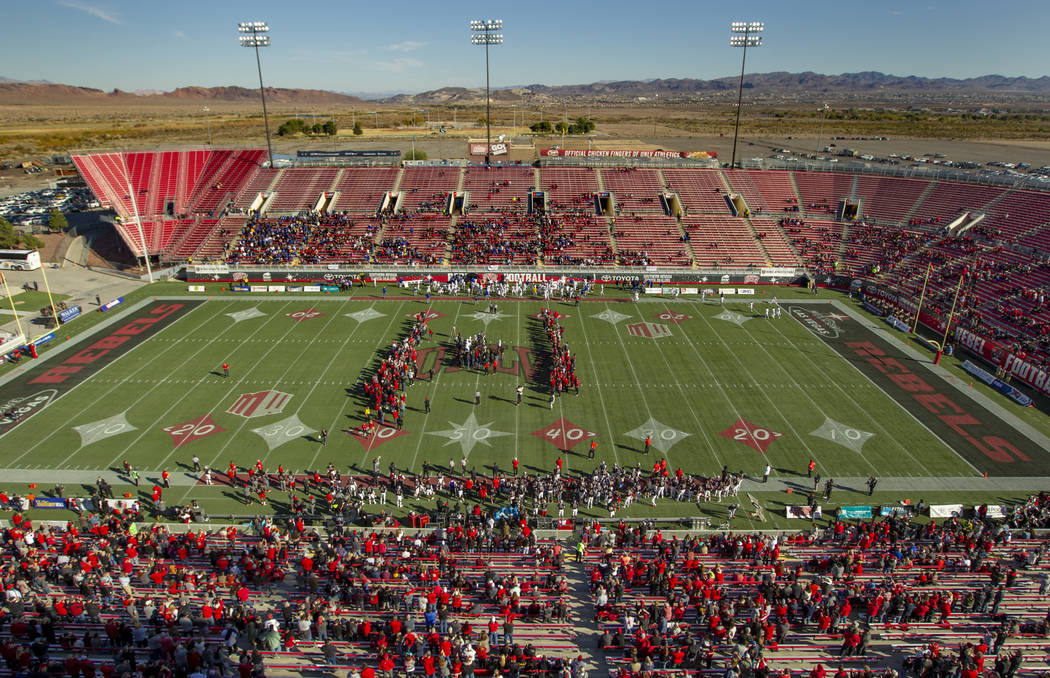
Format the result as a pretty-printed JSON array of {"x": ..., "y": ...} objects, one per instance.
[{"x": 413, "y": 46}]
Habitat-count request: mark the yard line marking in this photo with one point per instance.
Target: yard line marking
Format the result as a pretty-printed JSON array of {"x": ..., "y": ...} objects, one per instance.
[
  {"x": 118, "y": 384},
  {"x": 433, "y": 392},
  {"x": 765, "y": 395},
  {"x": 601, "y": 395},
  {"x": 630, "y": 363},
  {"x": 280, "y": 380},
  {"x": 832, "y": 383},
  {"x": 189, "y": 392},
  {"x": 891, "y": 398},
  {"x": 335, "y": 422},
  {"x": 688, "y": 401}
]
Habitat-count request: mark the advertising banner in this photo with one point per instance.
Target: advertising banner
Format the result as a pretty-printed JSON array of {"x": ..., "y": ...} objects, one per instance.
[
  {"x": 329, "y": 288},
  {"x": 805, "y": 512},
  {"x": 212, "y": 269},
  {"x": 258, "y": 288},
  {"x": 945, "y": 510},
  {"x": 998, "y": 384},
  {"x": 348, "y": 154},
  {"x": 873, "y": 309},
  {"x": 861, "y": 512},
  {"x": 745, "y": 290},
  {"x": 275, "y": 288},
  {"x": 895, "y": 511},
  {"x": 40, "y": 341},
  {"x": 8, "y": 345},
  {"x": 311, "y": 288},
  {"x": 623, "y": 153},
  {"x": 108, "y": 305},
  {"x": 68, "y": 314},
  {"x": 240, "y": 288},
  {"x": 897, "y": 324},
  {"x": 49, "y": 503},
  {"x": 196, "y": 288},
  {"x": 1001, "y": 357}
]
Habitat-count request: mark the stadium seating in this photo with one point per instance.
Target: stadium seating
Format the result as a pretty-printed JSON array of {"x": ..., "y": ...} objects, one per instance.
[
  {"x": 822, "y": 192},
  {"x": 889, "y": 198},
  {"x": 700, "y": 190},
  {"x": 360, "y": 190},
  {"x": 427, "y": 189},
  {"x": 764, "y": 190},
  {"x": 496, "y": 189},
  {"x": 722, "y": 241},
  {"x": 637, "y": 191}
]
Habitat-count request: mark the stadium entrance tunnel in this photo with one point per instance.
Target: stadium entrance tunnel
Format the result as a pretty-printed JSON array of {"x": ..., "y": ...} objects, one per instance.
[
  {"x": 456, "y": 202},
  {"x": 672, "y": 204},
  {"x": 537, "y": 202},
  {"x": 604, "y": 203},
  {"x": 851, "y": 208},
  {"x": 738, "y": 205}
]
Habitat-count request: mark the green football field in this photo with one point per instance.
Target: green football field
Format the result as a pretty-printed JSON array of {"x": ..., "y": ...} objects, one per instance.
[{"x": 711, "y": 385}]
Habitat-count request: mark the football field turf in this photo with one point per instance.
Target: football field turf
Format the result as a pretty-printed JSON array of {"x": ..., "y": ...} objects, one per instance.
[{"x": 712, "y": 385}]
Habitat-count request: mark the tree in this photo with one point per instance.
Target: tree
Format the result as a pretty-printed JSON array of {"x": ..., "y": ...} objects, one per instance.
[
  {"x": 561, "y": 127},
  {"x": 56, "y": 221},
  {"x": 291, "y": 127},
  {"x": 330, "y": 128},
  {"x": 13, "y": 240},
  {"x": 317, "y": 128},
  {"x": 541, "y": 127},
  {"x": 415, "y": 155},
  {"x": 357, "y": 129}
]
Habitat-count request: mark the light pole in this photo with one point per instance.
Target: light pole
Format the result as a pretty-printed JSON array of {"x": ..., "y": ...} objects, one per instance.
[
  {"x": 484, "y": 32},
  {"x": 820, "y": 134},
  {"x": 252, "y": 38},
  {"x": 748, "y": 37},
  {"x": 205, "y": 110}
]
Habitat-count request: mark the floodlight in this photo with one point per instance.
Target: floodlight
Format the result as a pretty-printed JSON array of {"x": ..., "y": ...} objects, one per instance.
[
  {"x": 746, "y": 40},
  {"x": 252, "y": 39},
  {"x": 484, "y": 33}
]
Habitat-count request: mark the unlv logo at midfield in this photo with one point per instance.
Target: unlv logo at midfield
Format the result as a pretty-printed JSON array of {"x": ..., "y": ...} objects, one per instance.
[
  {"x": 651, "y": 330},
  {"x": 259, "y": 404}
]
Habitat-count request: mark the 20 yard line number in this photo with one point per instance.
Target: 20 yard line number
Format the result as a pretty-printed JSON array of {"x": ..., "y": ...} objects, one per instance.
[{"x": 762, "y": 434}]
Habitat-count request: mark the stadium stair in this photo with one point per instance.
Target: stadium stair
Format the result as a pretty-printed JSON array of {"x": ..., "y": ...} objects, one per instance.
[
  {"x": 798, "y": 196},
  {"x": 922, "y": 198},
  {"x": 758, "y": 241}
]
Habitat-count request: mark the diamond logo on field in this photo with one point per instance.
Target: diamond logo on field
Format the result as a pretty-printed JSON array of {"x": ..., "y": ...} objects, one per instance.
[
  {"x": 194, "y": 429},
  {"x": 429, "y": 314},
  {"x": 246, "y": 314},
  {"x": 610, "y": 316},
  {"x": 103, "y": 428},
  {"x": 488, "y": 317},
  {"x": 733, "y": 317},
  {"x": 305, "y": 314},
  {"x": 365, "y": 314},
  {"x": 754, "y": 436},
  {"x": 847, "y": 436},
  {"x": 564, "y": 434},
  {"x": 663, "y": 436},
  {"x": 468, "y": 434},
  {"x": 650, "y": 330},
  {"x": 375, "y": 436},
  {"x": 283, "y": 431},
  {"x": 259, "y": 404},
  {"x": 672, "y": 317}
]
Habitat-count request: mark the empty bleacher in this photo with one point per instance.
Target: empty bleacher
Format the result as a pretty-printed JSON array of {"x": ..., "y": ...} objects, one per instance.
[
  {"x": 426, "y": 189},
  {"x": 719, "y": 240},
  {"x": 637, "y": 191},
  {"x": 889, "y": 198},
  {"x": 764, "y": 190},
  {"x": 821, "y": 192},
  {"x": 700, "y": 190},
  {"x": 497, "y": 189},
  {"x": 361, "y": 189}
]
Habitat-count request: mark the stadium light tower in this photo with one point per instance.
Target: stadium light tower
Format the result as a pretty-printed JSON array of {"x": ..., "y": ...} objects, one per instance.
[
  {"x": 486, "y": 32},
  {"x": 820, "y": 135},
  {"x": 252, "y": 37},
  {"x": 745, "y": 35}
]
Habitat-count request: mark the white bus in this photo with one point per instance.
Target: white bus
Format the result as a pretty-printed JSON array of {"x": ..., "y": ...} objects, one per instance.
[{"x": 20, "y": 260}]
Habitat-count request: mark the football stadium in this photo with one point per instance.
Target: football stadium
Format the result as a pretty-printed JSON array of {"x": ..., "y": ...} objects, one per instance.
[{"x": 618, "y": 411}]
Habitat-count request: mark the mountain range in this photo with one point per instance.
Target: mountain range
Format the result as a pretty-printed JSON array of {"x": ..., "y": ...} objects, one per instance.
[{"x": 867, "y": 84}]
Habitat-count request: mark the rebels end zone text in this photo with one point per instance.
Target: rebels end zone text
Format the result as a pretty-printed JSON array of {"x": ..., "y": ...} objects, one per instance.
[{"x": 104, "y": 346}]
